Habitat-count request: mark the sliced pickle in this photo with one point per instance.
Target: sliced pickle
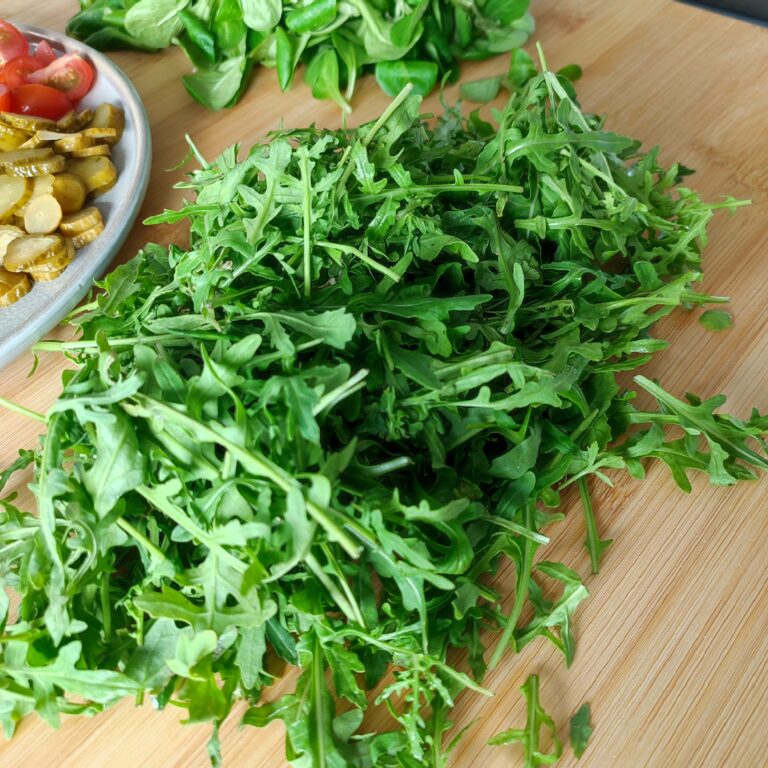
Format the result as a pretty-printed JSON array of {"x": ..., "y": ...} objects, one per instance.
[
  {"x": 96, "y": 172},
  {"x": 14, "y": 193},
  {"x": 73, "y": 142},
  {"x": 51, "y": 269},
  {"x": 22, "y": 155},
  {"x": 32, "y": 251},
  {"x": 53, "y": 164},
  {"x": 70, "y": 191},
  {"x": 27, "y": 123},
  {"x": 65, "y": 123},
  {"x": 42, "y": 185},
  {"x": 12, "y": 287},
  {"x": 103, "y": 190},
  {"x": 42, "y": 215},
  {"x": 50, "y": 135},
  {"x": 33, "y": 142},
  {"x": 82, "y": 119},
  {"x": 109, "y": 116},
  {"x": 108, "y": 134},
  {"x": 88, "y": 236},
  {"x": 7, "y": 233},
  {"x": 47, "y": 170},
  {"x": 97, "y": 150},
  {"x": 77, "y": 223},
  {"x": 11, "y": 138}
]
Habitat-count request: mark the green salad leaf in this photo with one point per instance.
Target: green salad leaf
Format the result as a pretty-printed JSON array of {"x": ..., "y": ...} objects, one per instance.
[
  {"x": 581, "y": 730},
  {"x": 304, "y": 443},
  {"x": 530, "y": 736},
  {"x": 418, "y": 42}
]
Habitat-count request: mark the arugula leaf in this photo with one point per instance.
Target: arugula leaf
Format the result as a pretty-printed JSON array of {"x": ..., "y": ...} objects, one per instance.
[
  {"x": 716, "y": 320},
  {"x": 312, "y": 436},
  {"x": 530, "y": 736},
  {"x": 581, "y": 730}
]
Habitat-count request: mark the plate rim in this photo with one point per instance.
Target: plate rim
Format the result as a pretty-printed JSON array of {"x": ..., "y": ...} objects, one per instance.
[{"x": 70, "y": 295}]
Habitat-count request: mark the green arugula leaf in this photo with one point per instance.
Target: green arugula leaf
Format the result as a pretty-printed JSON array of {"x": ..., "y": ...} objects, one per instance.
[
  {"x": 716, "y": 320},
  {"x": 581, "y": 730},
  {"x": 530, "y": 736},
  {"x": 312, "y": 436}
]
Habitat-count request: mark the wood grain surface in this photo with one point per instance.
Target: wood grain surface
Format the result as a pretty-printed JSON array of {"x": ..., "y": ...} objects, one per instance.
[{"x": 672, "y": 647}]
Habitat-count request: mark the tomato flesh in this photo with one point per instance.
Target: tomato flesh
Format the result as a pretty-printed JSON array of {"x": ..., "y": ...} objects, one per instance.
[
  {"x": 44, "y": 53},
  {"x": 17, "y": 71},
  {"x": 40, "y": 101},
  {"x": 71, "y": 74},
  {"x": 38, "y": 82},
  {"x": 12, "y": 42}
]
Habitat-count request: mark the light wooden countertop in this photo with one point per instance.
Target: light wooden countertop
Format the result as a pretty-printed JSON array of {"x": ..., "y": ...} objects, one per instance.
[{"x": 672, "y": 647}]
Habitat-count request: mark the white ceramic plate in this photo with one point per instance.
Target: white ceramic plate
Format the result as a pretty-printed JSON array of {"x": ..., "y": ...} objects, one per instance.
[{"x": 29, "y": 319}]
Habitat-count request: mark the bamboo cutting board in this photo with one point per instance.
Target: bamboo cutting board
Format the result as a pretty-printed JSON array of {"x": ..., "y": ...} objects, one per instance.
[{"x": 672, "y": 647}]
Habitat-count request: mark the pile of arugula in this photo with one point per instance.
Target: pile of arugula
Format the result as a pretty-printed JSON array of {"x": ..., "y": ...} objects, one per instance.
[
  {"x": 310, "y": 437},
  {"x": 417, "y": 41}
]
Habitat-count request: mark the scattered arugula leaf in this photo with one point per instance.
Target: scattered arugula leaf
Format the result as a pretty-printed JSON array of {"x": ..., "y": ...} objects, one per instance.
[
  {"x": 530, "y": 736},
  {"x": 716, "y": 320},
  {"x": 581, "y": 730}
]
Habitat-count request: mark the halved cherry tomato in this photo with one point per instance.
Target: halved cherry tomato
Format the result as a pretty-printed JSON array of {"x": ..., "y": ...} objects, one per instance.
[
  {"x": 5, "y": 99},
  {"x": 17, "y": 71},
  {"x": 12, "y": 43},
  {"x": 71, "y": 74},
  {"x": 40, "y": 101},
  {"x": 44, "y": 53}
]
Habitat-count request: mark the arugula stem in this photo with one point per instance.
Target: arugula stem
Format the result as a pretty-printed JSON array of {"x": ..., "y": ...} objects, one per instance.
[
  {"x": 20, "y": 409},
  {"x": 648, "y": 417},
  {"x": 134, "y": 533},
  {"x": 306, "y": 179},
  {"x": 415, "y": 189},
  {"x": 88, "y": 307},
  {"x": 334, "y": 563},
  {"x": 594, "y": 544},
  {"x": 349, "y": 609},
  {"x": 106, "y": 607},
  {"x": 521, "y": 587},
  {"x": 382, "y": 120},
  {"x": 167, "y": 339},
  {"x": 318, "y": 690},
  {"x": 330, "y": 399},
  {"x": 183, "y": 520},
  {"x": 532, "y": 724},
  {"x": 393, "y": 465},
  {"x": 372, "y": 263}
]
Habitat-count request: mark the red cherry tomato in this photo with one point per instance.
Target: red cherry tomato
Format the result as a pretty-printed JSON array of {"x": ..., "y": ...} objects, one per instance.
[
  {"x": 17, "y": 71},
  {"x": 44, "y": 53},
  {"x": 5, "y": 99},
  {"x": 12, "y": 43},
  {"x": 71, "y": 74},
  {"x": 40, "y": 101}
]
